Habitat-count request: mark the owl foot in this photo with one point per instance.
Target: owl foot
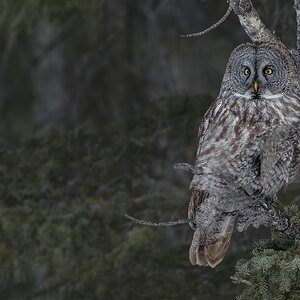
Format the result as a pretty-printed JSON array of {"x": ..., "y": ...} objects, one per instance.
[
  {"x": 254, "y": 191},
  {"x": 255, "y": 215}
]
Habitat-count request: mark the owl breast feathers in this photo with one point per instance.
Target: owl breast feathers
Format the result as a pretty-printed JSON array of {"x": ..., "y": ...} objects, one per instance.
[{"x": 249, "y": 144}]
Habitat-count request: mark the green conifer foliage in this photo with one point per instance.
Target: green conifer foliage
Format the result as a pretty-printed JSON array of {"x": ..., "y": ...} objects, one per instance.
[
  {"x": 63, "y": 197},
  {"x": 273, "y": 272}
]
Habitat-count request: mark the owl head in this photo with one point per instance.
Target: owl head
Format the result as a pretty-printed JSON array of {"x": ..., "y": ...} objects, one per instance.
[{"x": 260, "y": 71}]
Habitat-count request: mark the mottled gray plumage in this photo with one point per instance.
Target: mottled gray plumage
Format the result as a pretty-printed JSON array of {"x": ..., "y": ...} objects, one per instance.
[{"x": 248, "y": 148}]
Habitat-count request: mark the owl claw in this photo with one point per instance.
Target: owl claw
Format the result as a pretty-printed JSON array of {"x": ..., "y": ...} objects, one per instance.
[{"x": 253, "y": 191}]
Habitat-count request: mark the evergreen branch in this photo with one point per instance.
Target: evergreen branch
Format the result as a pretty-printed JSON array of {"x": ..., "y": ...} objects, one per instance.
[
  {"x": 159, "y": 224},
  {"x": 282, "y": 223},
  {"x": 217, "y": 24},
  {"x": 235, "y": 279}
]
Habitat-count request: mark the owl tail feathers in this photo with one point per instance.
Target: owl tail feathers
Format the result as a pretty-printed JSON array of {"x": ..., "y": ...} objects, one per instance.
[{"x": 208, "y": 250}]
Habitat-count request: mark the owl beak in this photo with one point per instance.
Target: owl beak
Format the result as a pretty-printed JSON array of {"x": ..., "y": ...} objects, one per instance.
[{"x": 255, "y": 86}]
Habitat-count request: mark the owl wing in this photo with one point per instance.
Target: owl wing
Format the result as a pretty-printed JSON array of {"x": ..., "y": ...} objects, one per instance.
[
  {"x": 210, "y": 243},
  {"x": 280, "y": 160},
  {"x": 198, "y": 196},
  {"x": 208, "y": 120},
  {"x": 295, "y": 165}
]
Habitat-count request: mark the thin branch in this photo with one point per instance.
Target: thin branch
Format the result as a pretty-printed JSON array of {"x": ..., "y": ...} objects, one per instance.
[
  {"x": 188, "y": 168},
  {"x": 217, "y": 24},
  {"x": 251, "y": 22},
  {"x": 159, "y": 224},
  {"x": 297, "y": 9},
  {"x": 278, "y": 220}
]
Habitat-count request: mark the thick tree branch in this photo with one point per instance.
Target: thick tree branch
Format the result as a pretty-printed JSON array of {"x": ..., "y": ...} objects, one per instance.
[
  {"x": 297, "y": 9},
  {"x": 251, "y": 21}
]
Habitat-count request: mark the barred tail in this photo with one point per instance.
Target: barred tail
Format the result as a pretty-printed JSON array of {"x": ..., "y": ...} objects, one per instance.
[{"x": 209, "y": 246}]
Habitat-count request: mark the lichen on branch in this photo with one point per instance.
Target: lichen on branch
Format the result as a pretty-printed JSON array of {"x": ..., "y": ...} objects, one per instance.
[{"x": 251, "y": 21}]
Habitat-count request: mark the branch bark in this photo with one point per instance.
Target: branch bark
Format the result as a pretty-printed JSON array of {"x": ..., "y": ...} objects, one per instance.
[
  {"x": 297, "y": 9},
  {"x": 265, "y": 212},
  {"x": 158, "y": 224},
  {"x": 268, "y": 211},
  {"x": 217, "y": 24},
  {"x": 251, "y": 21}
]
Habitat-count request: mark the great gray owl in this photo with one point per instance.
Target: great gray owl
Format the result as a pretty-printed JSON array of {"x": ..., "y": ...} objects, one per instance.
[{"x": 249, "y": 144}]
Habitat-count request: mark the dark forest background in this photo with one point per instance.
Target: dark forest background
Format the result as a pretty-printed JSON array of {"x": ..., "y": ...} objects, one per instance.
[{"x": 98, "y": 99}]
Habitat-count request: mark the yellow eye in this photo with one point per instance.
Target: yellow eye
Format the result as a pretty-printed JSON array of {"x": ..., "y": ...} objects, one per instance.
[
  {"x": 247, "y": 71},
  {"x": 268, "y": 71}
]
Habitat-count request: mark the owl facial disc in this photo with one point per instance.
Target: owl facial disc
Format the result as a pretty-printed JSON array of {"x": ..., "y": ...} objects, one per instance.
[{"x": 261, "y": 71}]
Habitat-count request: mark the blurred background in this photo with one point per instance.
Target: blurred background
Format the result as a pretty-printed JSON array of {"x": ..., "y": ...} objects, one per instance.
[{"x": 98, "y": 99}]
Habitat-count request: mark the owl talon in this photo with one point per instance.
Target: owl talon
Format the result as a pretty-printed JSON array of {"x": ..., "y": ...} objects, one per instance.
[{"x": 254, "y": 191}]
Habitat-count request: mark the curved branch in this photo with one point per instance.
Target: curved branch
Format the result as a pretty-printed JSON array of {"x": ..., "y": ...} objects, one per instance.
[{"x": 217, "y": 24}]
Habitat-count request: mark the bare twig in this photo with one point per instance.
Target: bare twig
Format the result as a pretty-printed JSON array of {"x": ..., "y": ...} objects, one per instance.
[
  {"x": 217, "y": 24},
  {"x": 251, "y": 22},
  {"x": 188, "y": 168},
  {"x": 159, "y": 224},
  {"x": 279, "y": 220},
  {"x": 184, "y": 166}
]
